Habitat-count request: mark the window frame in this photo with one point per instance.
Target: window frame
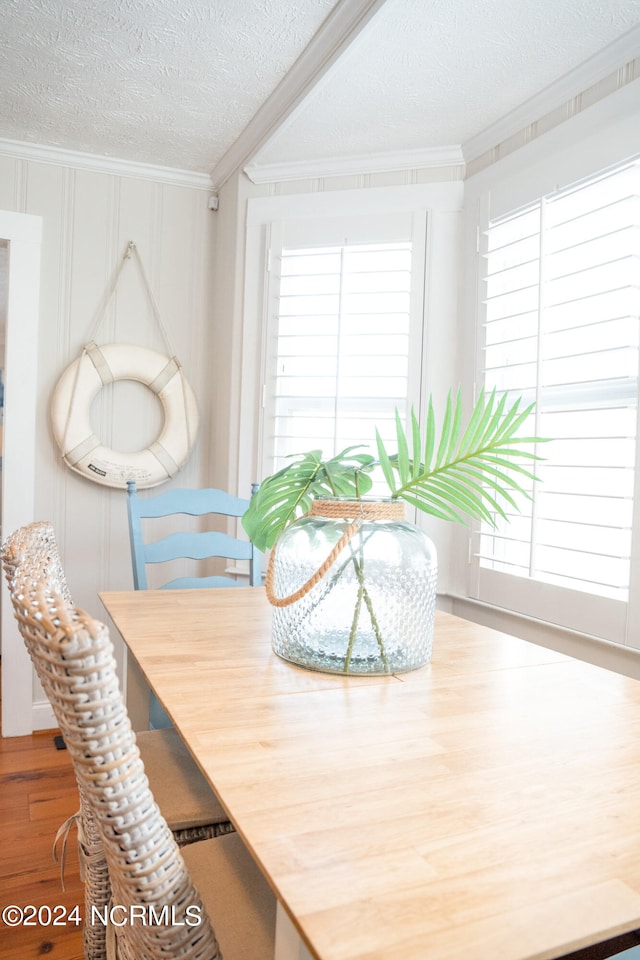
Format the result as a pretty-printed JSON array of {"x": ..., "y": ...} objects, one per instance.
[
  {"x": 581, "y": 613},
  {"x": 353, "y": 230},
  {"x": 442, "y": 203}
]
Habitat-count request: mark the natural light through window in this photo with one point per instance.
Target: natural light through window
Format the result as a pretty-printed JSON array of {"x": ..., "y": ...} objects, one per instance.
[
  {"x": 562, "y": 309},
  {"x": 340, "y": 355}
]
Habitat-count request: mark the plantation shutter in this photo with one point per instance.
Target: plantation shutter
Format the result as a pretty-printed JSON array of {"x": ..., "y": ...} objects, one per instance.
[
  {"x": 344, "y": 333},
  {"x": 561, "y": 325}
]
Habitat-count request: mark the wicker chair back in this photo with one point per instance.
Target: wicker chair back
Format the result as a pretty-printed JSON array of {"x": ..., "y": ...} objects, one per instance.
[
  {"x": 73, "y": 657},
  {"x": 32, "y": 552}
]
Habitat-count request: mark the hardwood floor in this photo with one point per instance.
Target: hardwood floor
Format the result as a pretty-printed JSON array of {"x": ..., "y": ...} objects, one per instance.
[{"x": 37, "y": 793}]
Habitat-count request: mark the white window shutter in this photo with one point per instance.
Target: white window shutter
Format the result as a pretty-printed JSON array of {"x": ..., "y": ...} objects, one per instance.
[
  {"x": 342, "y": 337},
  {"x": 561, "y": 326}
]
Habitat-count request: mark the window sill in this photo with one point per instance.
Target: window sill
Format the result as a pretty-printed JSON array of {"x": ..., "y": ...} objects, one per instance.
[{"x": 612, "y": 656}]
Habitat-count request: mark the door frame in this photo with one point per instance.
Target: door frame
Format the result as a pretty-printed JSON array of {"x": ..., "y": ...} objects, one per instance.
[{"x": 24, "y": 233}]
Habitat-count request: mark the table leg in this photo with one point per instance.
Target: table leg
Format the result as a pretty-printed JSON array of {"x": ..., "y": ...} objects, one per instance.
[{"x": 289, "y": 946}]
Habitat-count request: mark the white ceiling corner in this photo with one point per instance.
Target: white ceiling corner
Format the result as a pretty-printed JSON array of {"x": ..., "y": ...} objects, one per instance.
[
  {"x": 617, "y": 53},
  {"x": 463, "y": 74},
  {"x": 333, "y": 38}
]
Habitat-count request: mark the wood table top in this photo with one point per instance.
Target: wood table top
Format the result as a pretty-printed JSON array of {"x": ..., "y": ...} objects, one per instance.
[{"x": 484, "y": 807}]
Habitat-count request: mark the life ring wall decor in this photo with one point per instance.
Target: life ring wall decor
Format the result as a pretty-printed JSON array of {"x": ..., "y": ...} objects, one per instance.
[{"x": 71, "y": 407}]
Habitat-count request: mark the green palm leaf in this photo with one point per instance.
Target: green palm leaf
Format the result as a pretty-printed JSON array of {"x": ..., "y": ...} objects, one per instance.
[
  {"x": 402, "y": 461},
  {"x": 287, "y": 494},
  {"x": 472, "y": 475},
  {"x": 456, "y": 475},
  {"x": 459, "y": 496},
  {"x": 385, "y": 462}
]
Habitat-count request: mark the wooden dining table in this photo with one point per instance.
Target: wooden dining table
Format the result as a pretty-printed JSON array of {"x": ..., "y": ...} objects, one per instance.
[{"x": 483, "y": 807}]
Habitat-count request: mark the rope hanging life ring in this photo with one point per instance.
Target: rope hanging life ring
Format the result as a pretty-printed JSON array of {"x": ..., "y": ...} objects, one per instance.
[{"x": 76, "y": 390}]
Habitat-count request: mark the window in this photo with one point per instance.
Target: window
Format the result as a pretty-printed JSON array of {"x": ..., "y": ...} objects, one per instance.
[
  {"x": 560, "y": 325},
  {"x": 343, "y": 339}
]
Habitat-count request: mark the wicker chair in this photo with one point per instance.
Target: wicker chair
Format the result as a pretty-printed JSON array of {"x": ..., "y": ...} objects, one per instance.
[
  {"x": 160, "y": 891},
  {"x": 36, "y": 546},
  {"x": 188, "y": 804}
]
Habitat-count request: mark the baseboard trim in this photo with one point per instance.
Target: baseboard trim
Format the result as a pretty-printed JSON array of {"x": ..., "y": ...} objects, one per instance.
[{"x": 42, "y": 717}]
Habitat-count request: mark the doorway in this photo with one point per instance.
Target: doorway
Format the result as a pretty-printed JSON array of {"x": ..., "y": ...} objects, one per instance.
[{"x": 21, "y": 238}]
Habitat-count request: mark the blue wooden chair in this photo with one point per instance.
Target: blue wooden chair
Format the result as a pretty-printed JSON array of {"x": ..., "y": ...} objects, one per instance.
[{"x": 194, "y": 545}]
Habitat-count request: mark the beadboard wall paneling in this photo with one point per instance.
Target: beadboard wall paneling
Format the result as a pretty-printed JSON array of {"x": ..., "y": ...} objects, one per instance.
[
  {"x": 88, "y": 219},
  {"x": 10, "y": 168}
]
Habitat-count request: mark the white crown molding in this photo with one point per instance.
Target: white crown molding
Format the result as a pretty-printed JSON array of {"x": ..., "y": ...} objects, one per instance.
[
  {"x": 355, "y": 165},
  {"x": 347, "y": 19},
  {"x": 113, "y": 165},
  {"x": 596, "y": 68}
]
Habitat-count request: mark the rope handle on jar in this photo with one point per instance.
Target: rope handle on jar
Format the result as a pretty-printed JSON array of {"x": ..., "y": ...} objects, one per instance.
[
  {"x": 334, "y": 510},
  {"x": 302, "y": 591}
]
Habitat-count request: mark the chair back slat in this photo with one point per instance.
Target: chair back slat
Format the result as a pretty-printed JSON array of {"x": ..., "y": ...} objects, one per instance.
[
  {"x": 198, "y": 583},
  {"x": 197, "y": 546},
  {"x": 194, "y": 503}
]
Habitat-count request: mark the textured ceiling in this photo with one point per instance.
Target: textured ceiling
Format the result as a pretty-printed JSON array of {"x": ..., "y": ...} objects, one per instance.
[
  {"x": 176, "y": 82},
  {"x": 427, "y": 75},
  {"x": 171, "y": 82}
]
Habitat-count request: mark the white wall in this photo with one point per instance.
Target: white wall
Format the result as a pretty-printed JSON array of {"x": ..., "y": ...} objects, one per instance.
[{"x": 88, "y": 218}]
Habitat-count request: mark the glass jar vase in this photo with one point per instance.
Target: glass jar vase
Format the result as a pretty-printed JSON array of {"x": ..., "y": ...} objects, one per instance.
[{"x": 353, "y": 586}]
